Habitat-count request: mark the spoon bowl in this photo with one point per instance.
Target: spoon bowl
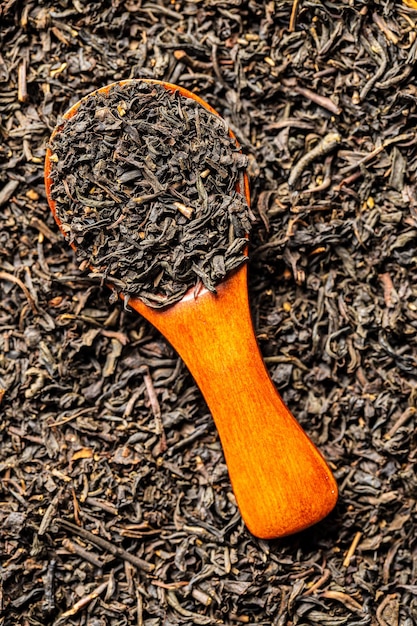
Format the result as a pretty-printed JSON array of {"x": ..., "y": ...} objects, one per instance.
[{"x": 281, "y": 482}]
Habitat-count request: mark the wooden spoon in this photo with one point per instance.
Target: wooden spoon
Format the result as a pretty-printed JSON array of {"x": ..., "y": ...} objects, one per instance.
[{"x": 281, "y": 482}]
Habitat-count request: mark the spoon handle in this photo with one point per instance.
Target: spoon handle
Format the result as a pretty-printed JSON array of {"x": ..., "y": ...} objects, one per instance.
[{"x": 281, "y": 482}]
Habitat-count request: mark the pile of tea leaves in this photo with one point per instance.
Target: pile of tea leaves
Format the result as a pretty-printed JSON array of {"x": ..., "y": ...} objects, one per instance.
[
  {"x": 144, "y": 181},
  {"x": 116, "y": 507}
]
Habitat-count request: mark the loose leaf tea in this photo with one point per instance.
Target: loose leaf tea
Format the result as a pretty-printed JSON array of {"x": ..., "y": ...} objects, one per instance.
[
  {"x": 147, "y": 186},
  {"x": 333, "y": 289}
]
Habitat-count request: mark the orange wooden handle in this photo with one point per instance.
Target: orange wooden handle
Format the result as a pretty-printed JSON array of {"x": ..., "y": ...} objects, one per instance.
[{"x": 281, "y": 482}]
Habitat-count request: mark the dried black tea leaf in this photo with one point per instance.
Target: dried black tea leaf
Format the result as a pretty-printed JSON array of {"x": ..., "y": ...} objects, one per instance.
[{"x": 148, "y": 185}]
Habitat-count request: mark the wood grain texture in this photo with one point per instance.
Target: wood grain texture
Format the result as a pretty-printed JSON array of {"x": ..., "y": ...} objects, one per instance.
[{"x": 281, "y": 482}]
